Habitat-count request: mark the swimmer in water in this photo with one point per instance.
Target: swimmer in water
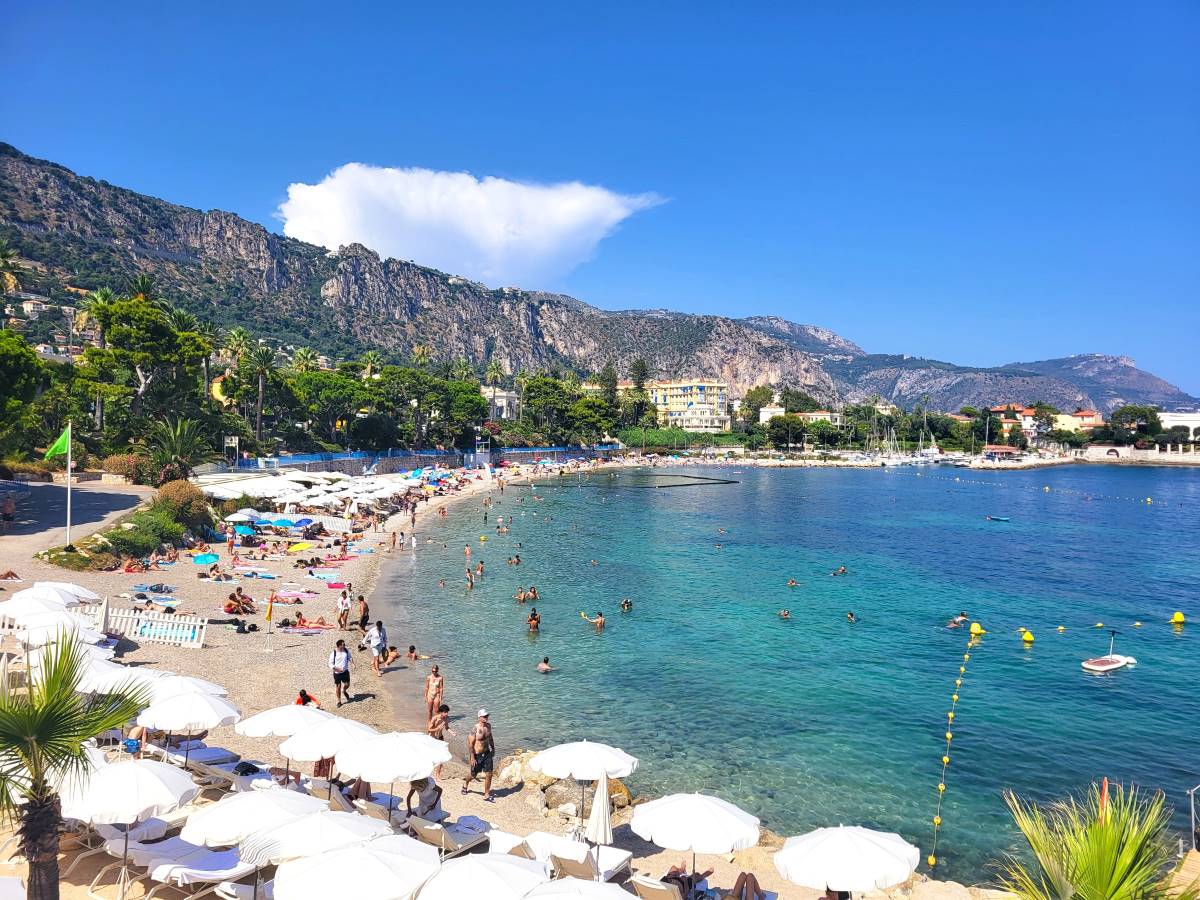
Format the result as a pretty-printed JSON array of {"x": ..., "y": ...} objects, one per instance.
[
  {"x": 598, "y": 621},
  {"x": 534, "y": 621},
  {"x": 851, "y": 618},
  {"x": 442, "y": 583},
  {"x": 544, "y": 665},
  {"x": 785, "y": 614},
  {"x": 840, "y": 570},
  {"x": 791, "y": 582},
  {"x": 626, "y": 604},
  {"x": 958, "y": 621}
]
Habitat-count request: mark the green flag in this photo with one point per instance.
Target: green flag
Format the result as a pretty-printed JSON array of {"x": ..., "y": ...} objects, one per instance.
[{"x": 60, "y": 446}]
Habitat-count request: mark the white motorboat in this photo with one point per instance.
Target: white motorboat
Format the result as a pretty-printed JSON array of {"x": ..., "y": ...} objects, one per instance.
[{"x": 1101, "y": 665}]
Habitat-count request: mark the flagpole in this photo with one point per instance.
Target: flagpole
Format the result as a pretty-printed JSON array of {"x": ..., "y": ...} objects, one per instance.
[{"x": 69, "y": 548}]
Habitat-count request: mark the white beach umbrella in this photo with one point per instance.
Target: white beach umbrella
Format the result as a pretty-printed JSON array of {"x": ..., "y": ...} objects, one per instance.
[
  {"x": 309, "y": 835},
  {"x": 235, "y": 817},
  {"x": 43, "y": 590},
  {"x": 105, "y": 677},
  {"x": 584, "y": 761},
  {"x": 73, "y": 787},
  {"x": 696, "y": 822},
  {"x": 325, "y": 739},
  {"x": 188, "y": 713},
  {"x": 599, "y": 826},
  {"x": 238, "y": 517},
  {"x": 71, "y": 588},
  {"x": 496, "y": 876},
  {"x": 282, "y": 721},
  {"x": 39, "y": 629},
  {"x": 30, "y": 605},
  {"x": 564, "y": 888},
  {"x": 166, "y": 685},
  {"x": 395, "y": 756},
  {"x": 247, "y": 511},
  {"x": 91, "y": 653},
  {"x": 391, "y": 867},
  {"x": 847, "y": 859},
  {"x": 123, "y": 793}
]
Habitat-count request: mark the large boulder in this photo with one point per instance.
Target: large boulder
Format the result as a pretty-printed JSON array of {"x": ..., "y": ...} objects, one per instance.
[{"x": 515, "y": 769}]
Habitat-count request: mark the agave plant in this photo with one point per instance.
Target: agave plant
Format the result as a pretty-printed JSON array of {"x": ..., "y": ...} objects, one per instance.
[
  {"x": 1109, "y": 844},
  {"x": 42, "y": 731}
]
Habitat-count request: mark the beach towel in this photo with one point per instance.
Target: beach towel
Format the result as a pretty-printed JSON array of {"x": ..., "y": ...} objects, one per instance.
[
  {"x": 296, "y": 629},
  {"x": 154, "y": 588},
  {"x": 335, "y": 585}
]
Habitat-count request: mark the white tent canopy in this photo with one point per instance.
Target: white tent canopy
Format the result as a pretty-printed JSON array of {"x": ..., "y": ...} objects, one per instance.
[
  {"x": 189, "y": 713},
  {"x": 310, "y": 835},
  {"x": 325, "y": 739},
  {"x": 282, "y": 721},
  {"x": 395, "y": 756},
  {"x": 584, "y": 761}
]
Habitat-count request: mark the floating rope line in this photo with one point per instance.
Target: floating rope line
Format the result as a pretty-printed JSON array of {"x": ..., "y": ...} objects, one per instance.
[
  {"x": 976, "y": 633},
  {"x": 684, "y": 481},
  {"x": 1043, "y": 489}
]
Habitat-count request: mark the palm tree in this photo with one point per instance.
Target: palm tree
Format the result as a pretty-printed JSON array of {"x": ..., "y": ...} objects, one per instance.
[
  {"x": 461, "y": 370},
  {"x": 493, "y": 375},
  {"x": 42, "y": 732},
  {"x": 259, "y": 362},
  {"x": 93, "y": 309},
  {"x": 371, "y": 362},
  {"x": 304, "y": 360},
  {"x": 181, "y": 320},
  {"x": 9, "y": 267},
  {"x": 421, "y": 354},
  {"x": 143, "y": 287},
  {"x": 237, "y": 344},
  {"x": 178, "y": 443},
  {"x": 1110, "y": 844}
]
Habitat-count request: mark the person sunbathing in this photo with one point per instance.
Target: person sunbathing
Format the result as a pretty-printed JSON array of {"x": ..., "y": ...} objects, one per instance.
[
  {"x": 133, "y": 566},
  {"x": 683, "y": 878},
  {"x": 10, "y": 575},
  {"x": 237, "y": 606},
  {"x": 746, "y": 888},
  {"x": 319, "y": 622},
  {"x": 201, "y": 548},
  {"x": 172, "y": 554}
]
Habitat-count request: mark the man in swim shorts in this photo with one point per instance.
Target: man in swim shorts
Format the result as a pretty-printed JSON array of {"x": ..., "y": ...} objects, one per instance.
[
  {"x": 339, "y": 664},
  {"x": 482, "y": 749}
]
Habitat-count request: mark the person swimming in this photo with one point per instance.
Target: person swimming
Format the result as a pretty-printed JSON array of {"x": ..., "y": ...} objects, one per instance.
[
  {"x": 851, "y": 618},
  {"x": 534, "y": 621},
  {"x": 958, "y": 621},
  {"x": 792, "y": 582},
  {"x": 598, "y": 621},
  {"x": 626, "y": 604},
  {"x": 544, "y": 665},
  {"x": 840, "y": 570},
  {"x": 785, "y": 614}
]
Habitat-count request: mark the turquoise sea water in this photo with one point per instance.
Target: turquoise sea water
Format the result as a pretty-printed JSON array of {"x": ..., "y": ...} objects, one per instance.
[{"x": 816, "y": 721}]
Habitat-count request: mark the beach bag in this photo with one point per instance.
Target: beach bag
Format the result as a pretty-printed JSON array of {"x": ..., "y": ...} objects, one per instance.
[{"x": 246, "y": 768}]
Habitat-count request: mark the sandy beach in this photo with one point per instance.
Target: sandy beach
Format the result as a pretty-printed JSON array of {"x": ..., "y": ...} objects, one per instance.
[{"x": 262, "y": 670}]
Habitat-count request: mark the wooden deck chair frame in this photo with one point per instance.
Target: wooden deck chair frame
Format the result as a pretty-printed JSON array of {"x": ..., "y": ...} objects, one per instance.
[{"x": 653, "y": 889}]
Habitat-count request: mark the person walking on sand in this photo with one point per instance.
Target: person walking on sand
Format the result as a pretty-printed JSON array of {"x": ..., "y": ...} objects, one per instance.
[
  {"x": 439, "y": 727},
  {"x": 376, "y": 639},
  {"x": 8, "y": 513},
  {"x": 481, "y": 750},
  {"x": 229, "y": 534},
  {"x": 364, "y": 615},
  {"x": 435, "y": 687},
  {"x": 343, "y": 609},
  {"x": 339, "y": 665}
]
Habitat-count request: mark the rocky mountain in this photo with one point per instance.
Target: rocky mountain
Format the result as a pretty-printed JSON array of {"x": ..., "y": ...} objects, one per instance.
[{"x": 82, "y": 233}]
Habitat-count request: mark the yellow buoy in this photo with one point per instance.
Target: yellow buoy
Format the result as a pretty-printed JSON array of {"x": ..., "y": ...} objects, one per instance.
[
  {"x": 1137, "y": 624},
  {"x": 976, "y": 628},
  {"x": 954, "y": 697},
  {"x": 958, "y": 682},
  {"x": 942, "y": 788},
  {"x": 1177, "y": 619},
  {"x": 1148, "y": 500},
  {"x": 949, "y": 735},
  {"x": 1027, "y": 637},
  {"x": 937, "y": 820},
  {"x": 1099, "y": 625},
  {"x": 945, "y": 760},
  {"x": 483, "y": 538},
  {"x": 950, "y": 716},
  {"x": 931, "y": 859},
  {"x": 1062, "y": 628},
  {"x": 1046, "y": 489}
]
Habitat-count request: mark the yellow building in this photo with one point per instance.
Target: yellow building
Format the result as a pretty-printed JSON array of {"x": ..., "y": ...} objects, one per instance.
[{"x": 693, "y": 404}]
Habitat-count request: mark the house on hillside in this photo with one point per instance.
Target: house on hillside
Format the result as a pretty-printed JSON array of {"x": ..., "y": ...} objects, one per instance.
[{"x": 835, "y": 419}]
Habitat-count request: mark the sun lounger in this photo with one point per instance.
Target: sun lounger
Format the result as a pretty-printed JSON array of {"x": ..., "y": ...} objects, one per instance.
[
  {"x": 598, "y": 864},
  {"x": 652, "y": 889},
  {"x": 397, "y": 817},
  {"x": 446, "y": 838},
  {"x": 209, "y": 867},
  {"x": 150, "y": 830},
  {"x": 503, "y": 841},
  {"x": 244, "y": 890},
  {"x": 201, "y": 755},
  {"x": 339, "y": 802}
]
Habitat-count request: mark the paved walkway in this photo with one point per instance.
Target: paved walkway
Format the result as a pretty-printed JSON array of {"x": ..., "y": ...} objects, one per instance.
[{"x": 42, "y": 516}]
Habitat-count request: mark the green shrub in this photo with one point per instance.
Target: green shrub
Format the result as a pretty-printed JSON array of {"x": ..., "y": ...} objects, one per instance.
[
  {"x": 134, "y": 542},
  {"x": 5, "y": 471},
  {"x": 160, "y": 522},
  {"x": 126, "y": 465},
  {"x": 186, "y": 503}
]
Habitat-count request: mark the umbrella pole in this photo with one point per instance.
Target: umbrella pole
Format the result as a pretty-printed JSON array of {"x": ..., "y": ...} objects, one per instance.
[
  {"x": 391, "y": 797},
  {"x": 124, "y": 879},
  {"x": 257, "y": 871}
]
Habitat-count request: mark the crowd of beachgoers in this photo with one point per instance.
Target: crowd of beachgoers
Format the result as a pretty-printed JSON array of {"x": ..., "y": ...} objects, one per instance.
[{"x": 292, "y": 644}]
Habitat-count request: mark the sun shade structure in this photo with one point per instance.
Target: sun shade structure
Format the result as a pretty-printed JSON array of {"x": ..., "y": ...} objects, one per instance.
[
  {"x": 395, "y": 756},
  {"x": 584, "y": 761},
  {"x": 696, "y": 822},
  {"x": 238, "y": 816},
  {"x": 578, "y": 889},
  {"x": 310, "y": 835},
  {"x": 847, "y": 859},
  {"x": 496, "y": 876},
  {"x": 326, "y": 739},
  {"x": 189, "y": 713},
  {"x": 282, "y": 721},
  {"x": 392, "y": 867}
]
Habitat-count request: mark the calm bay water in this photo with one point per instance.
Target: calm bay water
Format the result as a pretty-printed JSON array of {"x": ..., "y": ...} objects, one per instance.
[{"x": 816, "y": 721}]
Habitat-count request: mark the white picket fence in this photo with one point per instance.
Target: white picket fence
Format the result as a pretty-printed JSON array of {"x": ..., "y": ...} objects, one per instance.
[{"x": 154, "y": 627}]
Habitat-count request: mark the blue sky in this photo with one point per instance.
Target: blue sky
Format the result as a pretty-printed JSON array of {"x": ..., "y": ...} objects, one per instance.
[{"x": 978, "y": 183}]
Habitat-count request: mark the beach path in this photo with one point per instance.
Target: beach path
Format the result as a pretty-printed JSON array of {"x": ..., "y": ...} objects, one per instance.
[{"x": 42, "y": 516}]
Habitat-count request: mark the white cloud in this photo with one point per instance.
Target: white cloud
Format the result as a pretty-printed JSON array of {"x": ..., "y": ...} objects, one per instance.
[{"x": 493, "y": 230}]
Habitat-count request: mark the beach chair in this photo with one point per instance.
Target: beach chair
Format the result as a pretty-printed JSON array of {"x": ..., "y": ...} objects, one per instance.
[
  {"x": 138, "y": 854},
  {"x": 397, "y": 818},
  {"x": 339, "y": 802},
  {"x": 652, "y": 889},
  {"x": 596, "y": 864},
  {"x": 445, "y": 838},
  {"x": 244, "y": 890},
  {"x": 199, "y": 754},
  {"x": 208, "y": 867},
  {"x": 143, "y": 832}
]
